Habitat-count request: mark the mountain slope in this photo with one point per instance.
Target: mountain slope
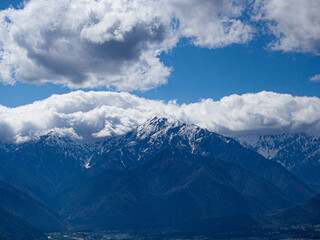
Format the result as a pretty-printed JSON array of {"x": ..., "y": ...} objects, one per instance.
[
  {"x": 297, "y": 222},
  {"x": 174, "y": 186},
  {"x": 163, "y": 172},
  {"x": 13, "y": 227},
  {"x": 299, "y": 153},
  {"x": 307, "y": 212},
  {"x": 42, "y": 167},
  {"x": 150, "y": 138},
  {"x": 29, "y": 209}
]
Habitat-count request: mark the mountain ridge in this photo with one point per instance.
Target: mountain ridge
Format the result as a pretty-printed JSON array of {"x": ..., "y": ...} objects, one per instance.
[
  {"x": 299, "y": 153},
  {"x": 140, "y": 177}
]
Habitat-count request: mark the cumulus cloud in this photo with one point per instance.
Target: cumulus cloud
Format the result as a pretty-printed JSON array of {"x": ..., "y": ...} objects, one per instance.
[
  {"x": 91, "y": 115},
  {"x": 117, "y": 43},
  {"x": 85, "y": 43},
  {"x": 212, "y": 23},
  {"x": 295, "y": 24},
  {"x": 112, "y": 43},
  {"x": 315, "y": 78}
]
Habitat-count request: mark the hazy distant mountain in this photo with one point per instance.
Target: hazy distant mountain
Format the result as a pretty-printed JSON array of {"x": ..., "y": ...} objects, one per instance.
[{"x": 299, "y": 153}]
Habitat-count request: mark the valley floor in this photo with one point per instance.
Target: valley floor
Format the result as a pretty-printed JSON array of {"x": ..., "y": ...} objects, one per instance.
[{"x": 305, "y": 232}]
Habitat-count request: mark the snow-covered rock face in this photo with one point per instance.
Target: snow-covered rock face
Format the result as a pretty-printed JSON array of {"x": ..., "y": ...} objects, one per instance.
[
  {"x": 150, "y": 138},
  {"x": 266, "y": 145},
  {"x": 147, "y": 139},
  {"x": 280, "y": 145},
  {"x": 297, "y": 152},
  {"x": 80, "y": 151},
  {"x": 157, "y": 128},
  {"x": 141, "y": 143},
  {"x": 163, "y": 131},
  {"x": 291, "y": 150}
]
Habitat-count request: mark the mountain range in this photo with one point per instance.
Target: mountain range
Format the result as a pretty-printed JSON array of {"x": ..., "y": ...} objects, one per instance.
[
  {"x": 299, "y": 153},
  {"x": 164, "y": 173}
]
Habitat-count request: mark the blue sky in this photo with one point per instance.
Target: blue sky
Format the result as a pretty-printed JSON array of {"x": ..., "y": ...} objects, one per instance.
[
  {"x": 199, "y": 72},
  {"x": 237, "y": 69},
  {"x": 190, "y": 51}
]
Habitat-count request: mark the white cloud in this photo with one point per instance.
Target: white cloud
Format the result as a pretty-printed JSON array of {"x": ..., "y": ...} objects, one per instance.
[
  {"x": 88, "y": 115},
  {"x": 315, "y": 78},
  {"x": 212, "y": 23},
  {"x": 295, "y": 24},
  {"x": 117, "y": 43},
  {"x": 113, "y": 43},
  {"x": 85, "y": 43}
]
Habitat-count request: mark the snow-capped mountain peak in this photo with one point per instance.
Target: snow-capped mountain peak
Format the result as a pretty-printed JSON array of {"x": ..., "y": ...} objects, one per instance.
[
  {"x": 158, "y": 127},
  {"x": 153, "y": 136},
  {"x": 67, "y": 146}
]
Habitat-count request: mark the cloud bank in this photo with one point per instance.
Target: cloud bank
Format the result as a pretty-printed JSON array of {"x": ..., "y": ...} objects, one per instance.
[
  {"x": 294, "y": 23},
  {"x": 112, "y": 43},
  {"x": 91, "y": 115},
  {"x": 85, "y": 43},
  {"x": 117, "y": 43}
]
